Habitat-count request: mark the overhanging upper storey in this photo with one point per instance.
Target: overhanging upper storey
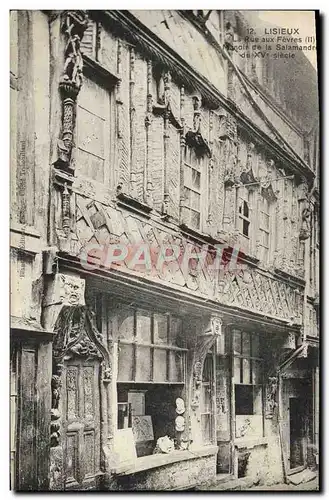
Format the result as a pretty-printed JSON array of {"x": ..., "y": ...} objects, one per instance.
[{"x": 150, "y": 40}]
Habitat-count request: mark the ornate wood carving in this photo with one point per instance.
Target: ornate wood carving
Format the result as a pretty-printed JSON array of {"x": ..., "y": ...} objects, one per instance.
[
  {"x": 305, "y": 229},
  {"x": 210, "y": 167},
  {"x": 203, "y": 344},
  {"x": 305, "y": 211},
  {"x": 194, "y": 137},
  {"x": 166, "y": 139},
  {"x": 247, "y": 175},
  {"x": 266, "y": 183},
  {"x": 271, "y": 390},
  {"x": 262, "y": 293},
  {"x": 132, "y": 112},
  {"x": 163, "y": 102},
  {"x": 76, "y": 335},
  {"x": 118, "y": 99},
  {"x": 74, "y": 25},
  {"x": 228, "y": 136},
  {"x": 182, "y": 153},
  {"x": 251, "y": 289},
  {"x": 66, "y": 211},
  {"x": 148, "y": 187}
]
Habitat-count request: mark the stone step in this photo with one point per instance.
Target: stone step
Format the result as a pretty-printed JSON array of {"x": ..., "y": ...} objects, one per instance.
[
  {"x": 302, "y": 477},
  {"x": 227, "y": 484}
]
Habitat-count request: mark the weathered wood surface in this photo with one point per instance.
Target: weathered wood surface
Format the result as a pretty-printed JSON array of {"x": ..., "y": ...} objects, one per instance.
[{"x": 33, "y": 415}]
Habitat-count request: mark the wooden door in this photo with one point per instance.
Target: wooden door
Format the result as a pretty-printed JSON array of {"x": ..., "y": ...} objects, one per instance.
[
  {"x": 297, "y": 432},
  {"x": 81, "y": 391}
]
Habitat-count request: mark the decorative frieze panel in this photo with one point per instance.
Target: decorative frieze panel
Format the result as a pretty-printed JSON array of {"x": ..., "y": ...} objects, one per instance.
[
  {"x": 253, "y": 290},
  {"x": 250, "y": 289}
]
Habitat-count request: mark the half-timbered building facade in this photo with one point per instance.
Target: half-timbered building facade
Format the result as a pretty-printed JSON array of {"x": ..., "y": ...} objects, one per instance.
[{"x": 164, "y": 253}]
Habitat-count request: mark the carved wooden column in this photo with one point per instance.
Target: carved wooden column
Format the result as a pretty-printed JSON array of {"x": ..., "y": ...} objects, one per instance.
[
  {"x": 121, "y": 179},
  {"x": 304, "y": 212},
  {"x": 228, "y": 135},
  {"x": 286, "y": 212},
  {"x": 119, "y": 101},
  {"x": 204, "y": 342},
  {"x": 210, "y": 169},
  {"x": 294, "y": 231},
  {"x": 304, "y": 229},
  {"x": 280, "y": 214},
  {"x": 148, "y": 188},
  {"x": 271, "y": 397},
  {"x": 182, "y": 157},
  {"x": 166, "y": 139},
  {"x": 132, "y": 119},
  {"x": 73, "y": 26}
]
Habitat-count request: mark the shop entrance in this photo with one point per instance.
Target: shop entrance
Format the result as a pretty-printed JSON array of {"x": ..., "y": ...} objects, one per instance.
[
  {"x": 296, "y": 417},
  {"x": 297, "y": 432}
]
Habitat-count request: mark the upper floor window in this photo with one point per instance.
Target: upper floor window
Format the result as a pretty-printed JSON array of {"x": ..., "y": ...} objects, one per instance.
[
  {"x": 93, "y": 131},
  {"x": 265, "y": 227},
  {"x": 266, "y": 222},
  {"x": 244, "y": 211},
  {"x": 90, "y": 41},
  {"x": 192, "y": 187}
]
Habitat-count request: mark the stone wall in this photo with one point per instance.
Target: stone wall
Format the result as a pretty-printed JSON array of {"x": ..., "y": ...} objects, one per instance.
[{"x": 180, "y": 475}]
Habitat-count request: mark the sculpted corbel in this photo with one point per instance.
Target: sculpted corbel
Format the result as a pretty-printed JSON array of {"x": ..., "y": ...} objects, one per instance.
[{"x": 63, "y": 290}]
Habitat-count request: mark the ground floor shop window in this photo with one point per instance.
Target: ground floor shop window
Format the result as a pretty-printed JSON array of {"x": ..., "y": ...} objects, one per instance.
[
  {"x": 248, "y": 385},
  {"x": 151, "y": 376}
]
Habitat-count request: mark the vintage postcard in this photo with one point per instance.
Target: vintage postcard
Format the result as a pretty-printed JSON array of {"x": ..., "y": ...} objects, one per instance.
[{"x": 164, "y": 250}]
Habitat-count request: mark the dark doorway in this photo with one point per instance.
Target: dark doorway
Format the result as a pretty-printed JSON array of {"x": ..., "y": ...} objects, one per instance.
[{"x": 297, "y": 432}]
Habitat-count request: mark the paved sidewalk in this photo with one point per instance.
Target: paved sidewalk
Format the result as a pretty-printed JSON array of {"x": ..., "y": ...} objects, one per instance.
[{"x": 310, "y": 486}]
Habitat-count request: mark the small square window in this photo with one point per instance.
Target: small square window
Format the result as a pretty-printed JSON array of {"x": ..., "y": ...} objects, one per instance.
[
  {"x": 245, "y": 227},
  {"x": 244, "y": 400}
]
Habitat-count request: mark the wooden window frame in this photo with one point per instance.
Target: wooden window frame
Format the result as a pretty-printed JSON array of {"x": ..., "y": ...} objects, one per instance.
[
  {"x": 168, "y": 348},
  {"x": 208, "y": 384},
  {"x": 200, "y": 192},
  {"x": 252, "y": 359},
  {"x": 101, "y": 77},
  {"x": 240, "y": 216},
  {"x": 264, "y": 230}
]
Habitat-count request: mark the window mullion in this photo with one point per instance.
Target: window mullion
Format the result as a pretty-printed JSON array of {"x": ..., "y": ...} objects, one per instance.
[
  {"x": 250, "y": 360},
  {"x": 135, "y": 347},
  {"x": 152, "y": 350},
  {"x": 168, "y": 351}
]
